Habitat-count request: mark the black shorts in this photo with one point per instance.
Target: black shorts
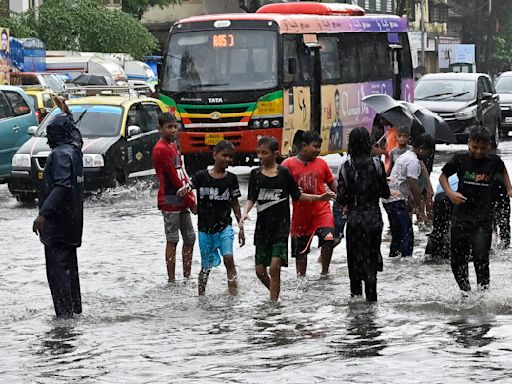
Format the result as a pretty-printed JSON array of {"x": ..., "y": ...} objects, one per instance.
[{"x": 302, "y": 244}]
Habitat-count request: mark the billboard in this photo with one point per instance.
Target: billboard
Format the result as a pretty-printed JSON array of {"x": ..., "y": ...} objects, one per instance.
[
  {"x": 456, "y": 53},
  {"x": 4, "y": 56}
]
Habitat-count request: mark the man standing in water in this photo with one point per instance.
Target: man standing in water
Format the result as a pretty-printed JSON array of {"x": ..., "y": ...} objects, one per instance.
[
  {"x": 311, "y": 218},
  {"x": 60, "y": 220}
]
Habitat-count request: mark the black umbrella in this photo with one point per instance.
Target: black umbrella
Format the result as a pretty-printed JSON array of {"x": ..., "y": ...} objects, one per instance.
[
  {"x": 394, "y": 112},
  {"x": 90, "y": 79},
  {"x": 432, "y": 122}
]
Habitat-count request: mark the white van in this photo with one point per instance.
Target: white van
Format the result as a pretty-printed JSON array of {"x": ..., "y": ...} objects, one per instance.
[{"x": 75, "y": 65}]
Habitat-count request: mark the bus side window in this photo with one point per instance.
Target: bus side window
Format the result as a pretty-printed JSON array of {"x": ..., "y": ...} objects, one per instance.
[
  {"x": 348, "y": 46},
  {"x": 329, "y": 58},
  {"x": 296, "y": 70}
]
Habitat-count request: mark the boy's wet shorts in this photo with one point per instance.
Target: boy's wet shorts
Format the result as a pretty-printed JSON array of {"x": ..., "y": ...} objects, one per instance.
[
  {"x": 215, "y": 245},
  {"x": 265, "y": 252},
  {"x": 176, "y": 222},
  {"x": 302, "y": 244}
]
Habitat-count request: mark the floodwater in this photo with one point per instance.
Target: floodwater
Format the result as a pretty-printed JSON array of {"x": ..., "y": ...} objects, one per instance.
[{"x": 137, "y": 329}]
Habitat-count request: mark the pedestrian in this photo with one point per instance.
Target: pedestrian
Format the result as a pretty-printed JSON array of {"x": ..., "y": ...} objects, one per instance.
[
  {"x": 175, "y": 209},
  {"x": 471, "y": 227},
  {"x": 438, "y": 245},
  {"x": 403, "y": 138},
  {"x": 217, "y": 194},
  {"x": 362, "y": 182},
  {"x": 270, "y": 187},
  {"x": 310, "y": 218},
  {"x": 404, "y": 178},
  {"x": 60, "y": 220},
  {"x": 384, "y": 138}
]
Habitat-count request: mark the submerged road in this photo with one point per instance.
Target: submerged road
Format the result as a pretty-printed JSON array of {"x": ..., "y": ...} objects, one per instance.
[{"x": 137, "y": 329}]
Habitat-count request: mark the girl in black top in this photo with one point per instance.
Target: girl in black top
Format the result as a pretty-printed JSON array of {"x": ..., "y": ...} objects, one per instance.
[{"x": 362, "y": 183}]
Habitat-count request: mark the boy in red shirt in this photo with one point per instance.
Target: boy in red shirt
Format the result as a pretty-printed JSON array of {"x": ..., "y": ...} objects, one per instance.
[
  {"x": 311, "y": 218},
  {"x": 175, "y": 210}
]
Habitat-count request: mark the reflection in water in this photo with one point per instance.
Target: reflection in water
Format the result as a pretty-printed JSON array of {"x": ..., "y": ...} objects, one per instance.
[
  {"x": 471, "y": 333},
  {"x": 61, "y": 339},
  {"x": 363, "y": 338}
]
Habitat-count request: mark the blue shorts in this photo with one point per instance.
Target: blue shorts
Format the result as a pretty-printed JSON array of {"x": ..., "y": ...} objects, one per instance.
[{"x": 215, "y": 245}]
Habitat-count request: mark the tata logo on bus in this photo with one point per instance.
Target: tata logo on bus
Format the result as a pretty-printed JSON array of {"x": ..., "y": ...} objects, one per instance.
[
  {"x": 215, "y": 115},
  {"x": 222, "y": 23},
  {"x": 215, "y": 100}
]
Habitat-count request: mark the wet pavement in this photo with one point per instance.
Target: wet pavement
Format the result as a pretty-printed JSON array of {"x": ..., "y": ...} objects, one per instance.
[{"x": 137, "y": 329}]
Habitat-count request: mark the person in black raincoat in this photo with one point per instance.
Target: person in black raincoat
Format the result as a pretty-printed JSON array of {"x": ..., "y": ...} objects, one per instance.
[
  {"x": 60, "y": 220},
  {"x": 362, "y": 181}
]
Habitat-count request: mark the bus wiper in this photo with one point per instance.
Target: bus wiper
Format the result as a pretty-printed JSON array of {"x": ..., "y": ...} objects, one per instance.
[
  {"x": 207, "y": 85},
  {"x": 457, "y": 95},
  {"x": 436, "y": 95}
]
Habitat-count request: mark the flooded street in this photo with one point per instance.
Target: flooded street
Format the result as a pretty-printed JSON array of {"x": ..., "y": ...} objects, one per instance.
[{"x": 137, "y": 329}]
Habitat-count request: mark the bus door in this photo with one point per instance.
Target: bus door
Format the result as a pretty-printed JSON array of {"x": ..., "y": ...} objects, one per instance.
[
  {"x": 396, "y": 62},
  {"x": 298, "y": 78}
]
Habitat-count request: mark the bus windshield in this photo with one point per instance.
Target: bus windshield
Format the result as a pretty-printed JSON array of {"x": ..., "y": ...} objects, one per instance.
[{"x": 224, "y": 60}]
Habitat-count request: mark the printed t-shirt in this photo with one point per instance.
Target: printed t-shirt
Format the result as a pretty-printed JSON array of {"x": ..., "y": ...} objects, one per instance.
[
  {"x": 271, "y": 194},
  {"x": 311, "y": 177},
  {"x": 214, "y": 200},
  {"x": 171, "y": 177},
  {"x": 397, "y": 152},
  {"x": 477, "y": 182}
]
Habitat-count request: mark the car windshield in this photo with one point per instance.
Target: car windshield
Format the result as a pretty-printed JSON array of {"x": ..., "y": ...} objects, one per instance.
[
  {"x": 504, "y": 84},
  {"x": 445, "y": 89},
  {"x": 97, "y": 121},
  {"x": 230, "y": 60}
]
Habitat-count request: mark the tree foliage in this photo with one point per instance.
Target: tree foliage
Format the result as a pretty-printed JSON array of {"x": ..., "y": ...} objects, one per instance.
[
  {"x": 84, "y": 25},
  {"x": 139, "y": 7}
]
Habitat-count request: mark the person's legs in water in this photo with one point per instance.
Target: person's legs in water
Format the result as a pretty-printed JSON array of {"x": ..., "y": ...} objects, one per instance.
[
  {"x": 75, "y": 282},
  {"x": 58, "y": 274},
  {"x": 396, "y": 233},
  {"x": 326, "y": 243},
  {"x": 225, "y": 246},
  {"x": 210, "y": 258},
  {"x": 370, "y": 286},
  {"x": 261, "y": 272},
  {"x": 501, "y": 220},
  {"x": 405, "y": 223},
  {"x": 460, "y": 248},
  {"x": 437, "y": 239},
  {"x": 170, "y": 260},
  {"x": 275, "y": 278},
  {"x": 189, "y": 237},
  {"x": 203, "y": 280},
  {"x": 481, "y": 237},
  {"x": 172, "y": 228},
  {"x": 300, "y": 251}
]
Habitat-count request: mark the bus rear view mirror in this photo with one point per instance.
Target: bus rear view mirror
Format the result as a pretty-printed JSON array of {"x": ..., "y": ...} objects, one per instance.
[{"x": 292, "y": 65}]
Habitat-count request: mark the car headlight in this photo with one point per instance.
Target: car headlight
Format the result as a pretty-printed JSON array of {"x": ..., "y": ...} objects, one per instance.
[
  {"x": 466, "y": 114},
  {"x": 93, "y": 161},
  {"x": 21, "y": 161}
]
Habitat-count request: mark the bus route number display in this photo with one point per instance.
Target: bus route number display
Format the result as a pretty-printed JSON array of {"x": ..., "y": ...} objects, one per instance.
[{"x": 223, "y": 40}]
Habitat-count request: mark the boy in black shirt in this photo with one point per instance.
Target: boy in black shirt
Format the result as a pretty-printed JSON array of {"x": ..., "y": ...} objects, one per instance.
[
  {"x": 217, "y": 194},
  {"x": 478, "y": 172},
  {"x": 270, "y": 187}
]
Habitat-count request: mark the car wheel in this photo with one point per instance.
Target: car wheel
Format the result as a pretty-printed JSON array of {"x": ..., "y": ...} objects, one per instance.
[{"x": 26, "y": 198}]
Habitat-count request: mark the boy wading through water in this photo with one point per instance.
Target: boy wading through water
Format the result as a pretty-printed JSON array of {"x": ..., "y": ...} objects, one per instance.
[
  {"x": 175, "y": 209},
  {"x": 217, "y": 194},
  {"x": 311, "y": 218},
  {"x": 478, "y": 172},
  {"x": 270, "y": 187}
]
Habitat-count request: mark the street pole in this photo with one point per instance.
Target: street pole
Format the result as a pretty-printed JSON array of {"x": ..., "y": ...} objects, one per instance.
[
  {"x": 36, "y": 10},
  {"x": 422, "y": 29}
]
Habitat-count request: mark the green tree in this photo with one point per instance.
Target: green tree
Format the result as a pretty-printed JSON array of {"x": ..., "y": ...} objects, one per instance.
[
  {"x": 84, "y": 25},
  {"x": 139, "y": 7}
]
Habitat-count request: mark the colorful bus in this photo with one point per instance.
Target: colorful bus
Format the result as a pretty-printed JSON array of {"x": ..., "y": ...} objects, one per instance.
[{"x": 286, "y": 69}]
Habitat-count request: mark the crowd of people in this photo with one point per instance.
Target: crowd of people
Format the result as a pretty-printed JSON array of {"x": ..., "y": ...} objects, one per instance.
[{"x": 475, "y": 185}]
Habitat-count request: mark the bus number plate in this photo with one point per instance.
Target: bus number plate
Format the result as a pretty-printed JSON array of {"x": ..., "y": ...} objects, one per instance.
[{"x": 213, "y": 138}]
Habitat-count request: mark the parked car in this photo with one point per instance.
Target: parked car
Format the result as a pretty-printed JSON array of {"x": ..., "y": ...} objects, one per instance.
[
  {"x": 119, "y": 135},
  {"x": 38, "y": 80},
  {"x": 16, "y": 116},
  {"x": 504, "y": 88},
  {"x": 43, "y": 102},
  {"x": 463, "y": 100}
]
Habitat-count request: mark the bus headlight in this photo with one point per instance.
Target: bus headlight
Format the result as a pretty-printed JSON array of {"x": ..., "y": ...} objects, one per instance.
[
  {"x": 21, "y": 161},
  {"x": 93, "y": 161}
]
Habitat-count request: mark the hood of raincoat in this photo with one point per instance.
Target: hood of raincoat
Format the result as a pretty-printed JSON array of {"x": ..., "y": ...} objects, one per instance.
[{"x": 62, "y": 130}]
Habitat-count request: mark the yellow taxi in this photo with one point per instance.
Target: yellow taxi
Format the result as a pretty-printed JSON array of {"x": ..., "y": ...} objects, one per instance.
[
  {"x": 43, "y": 101},
  {"x": 119, "y": 134}
]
